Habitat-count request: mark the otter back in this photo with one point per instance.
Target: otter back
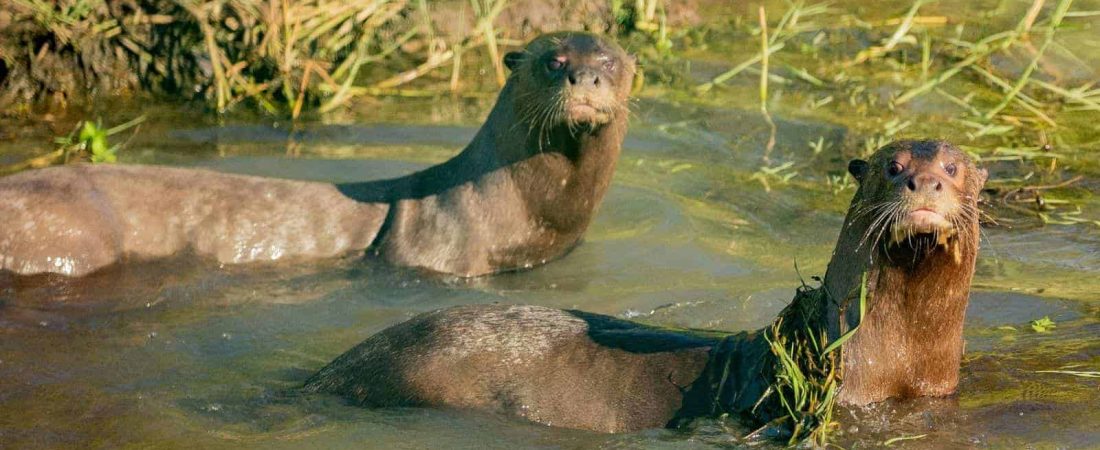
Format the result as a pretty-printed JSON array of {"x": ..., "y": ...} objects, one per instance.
[
  {"x": 74, "y": 220},
  {"x": 561, "y": 368}
]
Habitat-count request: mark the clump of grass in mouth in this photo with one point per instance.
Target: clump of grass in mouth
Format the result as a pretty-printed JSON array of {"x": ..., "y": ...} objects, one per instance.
[
  {"x": 808, "y": 374},
  {"x": 806, "y": 383}
]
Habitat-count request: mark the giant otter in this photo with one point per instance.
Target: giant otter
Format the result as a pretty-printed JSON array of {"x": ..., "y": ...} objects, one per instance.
[
  {"x": 521, "y": 193},
  {"x": 912, "y": 227}
]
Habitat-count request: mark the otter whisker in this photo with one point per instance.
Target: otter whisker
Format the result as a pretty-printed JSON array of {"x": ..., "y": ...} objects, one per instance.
[
  {"x": 550, "y": 117},
  {"x": 540, "y": 120},
  {"x": 884, "y": 212},
  {"x": 894, "y": 217},
  {"x": 862, "y": 211},
  {"x": 893, "y": 214}
]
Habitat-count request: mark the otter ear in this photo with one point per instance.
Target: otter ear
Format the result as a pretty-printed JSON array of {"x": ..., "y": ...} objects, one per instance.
[
  {"x": 513, "y": 59},
  {"x": 858, "y": 168},
  {"x": 983, "y": 175}
]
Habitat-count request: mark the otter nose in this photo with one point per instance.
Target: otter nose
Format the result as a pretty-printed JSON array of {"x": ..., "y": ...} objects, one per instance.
[
  {"x": 924, "y": 182},
  {"x": 584, "y": 78}
]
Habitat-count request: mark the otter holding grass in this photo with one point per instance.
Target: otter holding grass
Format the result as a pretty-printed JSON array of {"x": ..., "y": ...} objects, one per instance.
[
  {"x": 911, "y": 232},
  {"x": 521, "y": 193}
]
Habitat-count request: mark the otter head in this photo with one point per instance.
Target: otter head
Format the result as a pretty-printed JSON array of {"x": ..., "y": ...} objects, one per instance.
[
  {"x": 920, "y": 197},
  {"x": 579, "y": 80},
  {"x": 912, "y": 234}
]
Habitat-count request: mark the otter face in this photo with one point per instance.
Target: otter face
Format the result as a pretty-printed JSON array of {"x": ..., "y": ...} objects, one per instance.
[
  {"x": 919, "y": 193},
  {"x": 575, "y": 79}
]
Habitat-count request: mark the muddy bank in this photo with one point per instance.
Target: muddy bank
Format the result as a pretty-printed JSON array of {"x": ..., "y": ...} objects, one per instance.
[{"x": 284, "y": 57}]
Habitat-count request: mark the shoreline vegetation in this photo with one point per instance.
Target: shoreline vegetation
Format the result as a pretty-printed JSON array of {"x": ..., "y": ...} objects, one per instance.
[{"x": 282, "y": 57}]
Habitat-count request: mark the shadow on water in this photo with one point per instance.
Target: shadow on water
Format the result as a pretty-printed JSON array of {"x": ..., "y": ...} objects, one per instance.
[{"x": 184, "y": 354}]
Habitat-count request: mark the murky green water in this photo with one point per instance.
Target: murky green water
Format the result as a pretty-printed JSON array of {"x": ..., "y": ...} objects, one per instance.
[{"x": 178, "y": 355}]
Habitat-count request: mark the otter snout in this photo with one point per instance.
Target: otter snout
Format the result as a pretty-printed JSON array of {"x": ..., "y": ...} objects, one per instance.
[
  {"x": 589, "y": 99},
  {"x": 580, "y": 109},
  {"x": 583, "y": 78},
  {"x": 924, "y": 183},
  {"x": 926, "y": 208}
]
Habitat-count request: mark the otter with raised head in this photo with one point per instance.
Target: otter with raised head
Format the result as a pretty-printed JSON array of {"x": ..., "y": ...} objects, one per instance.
[
  {"x": 521, "y": 193},
  {"x": 912, "y": 227}
]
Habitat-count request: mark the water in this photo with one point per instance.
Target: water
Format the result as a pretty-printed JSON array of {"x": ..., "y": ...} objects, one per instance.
[{"x": 180, "y": 354}]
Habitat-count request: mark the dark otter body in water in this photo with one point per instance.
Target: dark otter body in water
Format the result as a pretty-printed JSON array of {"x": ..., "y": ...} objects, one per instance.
[
  {"x": 521, "y": 193},
  {"x": 912, "y": 227}
]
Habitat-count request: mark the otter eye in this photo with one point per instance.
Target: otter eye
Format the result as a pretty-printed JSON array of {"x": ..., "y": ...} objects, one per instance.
[
  {"x": 555, "y": 64},
  {"x": 951, "y": 169},
  {"x": 895, "y": 169}
]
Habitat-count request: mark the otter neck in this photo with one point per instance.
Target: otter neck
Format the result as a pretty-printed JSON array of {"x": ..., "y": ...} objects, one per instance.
[
  {"x": 856, "y": 254},
  {"x": 562, "y": 174},
  {"x": 585, "y": 161},
  {"x": 910, "y": 340}
]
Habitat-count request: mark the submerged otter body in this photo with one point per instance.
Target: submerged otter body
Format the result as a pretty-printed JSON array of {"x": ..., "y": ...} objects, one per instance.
[
  {"x": 76, "y": 219},
  {"x": 561, "y": 368},
  {"x": 521, "y": 193},
  {"x": 912, "y": 227}
]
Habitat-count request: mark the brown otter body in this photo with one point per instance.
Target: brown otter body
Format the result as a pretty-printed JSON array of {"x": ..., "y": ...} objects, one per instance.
[
  {"x": 561, "y": 368},
  {"x": 913, "y": 230},
  {"x": 521, "y": 193}
]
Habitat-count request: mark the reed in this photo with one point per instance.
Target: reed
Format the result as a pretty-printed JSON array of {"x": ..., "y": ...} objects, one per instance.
[{"x": 283, "y": 56}]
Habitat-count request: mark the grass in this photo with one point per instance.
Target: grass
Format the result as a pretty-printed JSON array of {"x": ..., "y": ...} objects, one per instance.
[
  {"x": 808, "y": 369},
  {"x": 955, "y": 54},
  {"x": 285, "y": 57},
  {"x": 1043, "y": 325},
  {"x": 88, "y": 141},
  {"x": 764, "y": 55},
  {"x": 921, "y": 74},
  {"x": 893, "y": 441},
  {"x": 1069, "y": 370},
  {"x": 807, "y": 381}
]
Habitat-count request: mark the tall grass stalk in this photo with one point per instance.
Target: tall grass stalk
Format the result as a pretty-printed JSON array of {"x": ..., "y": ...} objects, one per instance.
[
  {"x": 764, "y": 82},
  {"x": 1055, "y": 21}
]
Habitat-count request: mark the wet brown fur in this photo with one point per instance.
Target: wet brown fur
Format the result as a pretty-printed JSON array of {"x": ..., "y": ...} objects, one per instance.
[
  {"x": 910, "y": 343},
  {"x": 521, "y": 193},
  {"x": 579, "y": 370}
]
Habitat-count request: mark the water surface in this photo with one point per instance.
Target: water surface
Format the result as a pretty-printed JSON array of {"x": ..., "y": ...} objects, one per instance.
[{"x": 185, "y": 355}]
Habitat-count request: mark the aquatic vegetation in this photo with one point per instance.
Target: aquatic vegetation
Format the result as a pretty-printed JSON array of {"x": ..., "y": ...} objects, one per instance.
[
  {"x": 807, "y": 379},
  {"x": 1044, "y": 325},
  {"x": 781, "y": 173},
  {"x": 87, "y": 142},
  {"x": 1073, "y": 369},
  {"x": 93, "y": 138},
  {"x": 893, "y": 441},
  {"x": 809, "y": 372}
]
